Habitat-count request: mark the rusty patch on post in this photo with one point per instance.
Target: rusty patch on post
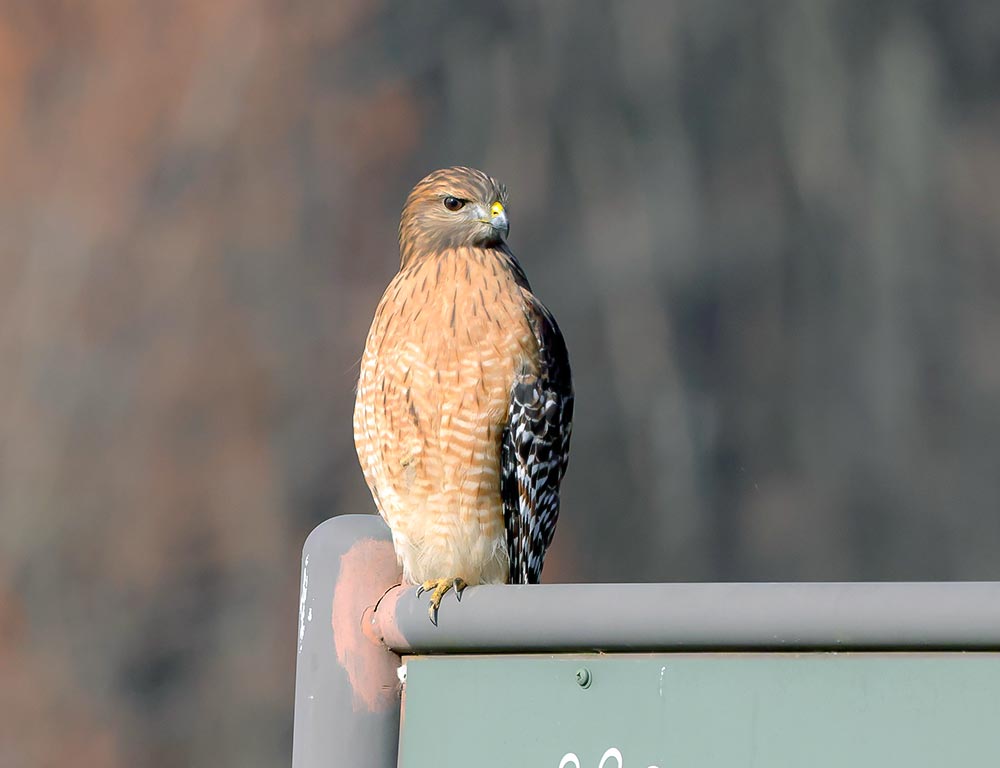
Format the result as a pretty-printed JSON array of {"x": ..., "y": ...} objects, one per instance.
[{"x": 367, "y": 570}]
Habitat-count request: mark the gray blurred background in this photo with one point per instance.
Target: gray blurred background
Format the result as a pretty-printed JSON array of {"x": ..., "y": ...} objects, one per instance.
[{"x": 769, "y": 230}]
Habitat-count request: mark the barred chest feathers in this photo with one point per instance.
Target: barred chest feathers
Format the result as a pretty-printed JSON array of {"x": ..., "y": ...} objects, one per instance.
[{"x": 450, "y": 336}]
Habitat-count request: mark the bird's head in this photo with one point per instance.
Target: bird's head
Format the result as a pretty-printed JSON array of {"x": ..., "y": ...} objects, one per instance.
[{"x": 452, "y": 208}]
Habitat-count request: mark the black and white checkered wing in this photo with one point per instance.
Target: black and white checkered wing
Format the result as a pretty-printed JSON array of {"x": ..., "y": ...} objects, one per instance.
[{"x": 535, "y": 451}]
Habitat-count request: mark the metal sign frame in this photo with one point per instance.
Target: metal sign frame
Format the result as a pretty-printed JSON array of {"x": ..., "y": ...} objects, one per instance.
[{"x": 355, "y": 623}]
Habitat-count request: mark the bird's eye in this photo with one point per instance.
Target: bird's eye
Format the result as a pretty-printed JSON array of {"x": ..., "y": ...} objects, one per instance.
[{"x": 453, "y": 203}]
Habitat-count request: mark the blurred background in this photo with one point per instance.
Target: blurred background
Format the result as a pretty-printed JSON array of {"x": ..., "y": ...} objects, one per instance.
[{"x": 769, "y": 231}]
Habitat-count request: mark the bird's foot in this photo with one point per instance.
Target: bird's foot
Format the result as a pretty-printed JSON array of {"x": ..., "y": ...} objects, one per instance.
[{"x": 438, "y": 588}]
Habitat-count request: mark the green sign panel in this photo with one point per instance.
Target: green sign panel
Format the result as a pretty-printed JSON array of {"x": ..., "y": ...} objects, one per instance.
[{"x": 793, "y": 710}]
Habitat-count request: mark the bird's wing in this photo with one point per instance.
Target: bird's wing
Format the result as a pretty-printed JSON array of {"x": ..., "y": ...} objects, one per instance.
[{"x": 535, "y": 450}]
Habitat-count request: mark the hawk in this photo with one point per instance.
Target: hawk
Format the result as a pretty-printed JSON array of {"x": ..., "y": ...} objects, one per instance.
[{"x": 464, "y": 403}]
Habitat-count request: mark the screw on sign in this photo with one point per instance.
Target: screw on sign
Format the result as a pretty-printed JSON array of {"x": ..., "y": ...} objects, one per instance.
[{"x": 613, "y": 753}]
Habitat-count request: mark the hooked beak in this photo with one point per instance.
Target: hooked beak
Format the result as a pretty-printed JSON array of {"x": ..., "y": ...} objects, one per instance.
[{"x": 498, "y": 219}]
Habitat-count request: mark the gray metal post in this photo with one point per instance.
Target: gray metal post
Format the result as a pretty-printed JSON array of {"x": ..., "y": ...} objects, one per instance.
[
  {"x": 346, "y": 685},
  {"x": 553, "y": 618},
  {"x": 347, "y": 702}
]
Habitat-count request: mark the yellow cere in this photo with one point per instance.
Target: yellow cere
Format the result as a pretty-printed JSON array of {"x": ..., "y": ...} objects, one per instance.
[{"x": 497, "y": 209}]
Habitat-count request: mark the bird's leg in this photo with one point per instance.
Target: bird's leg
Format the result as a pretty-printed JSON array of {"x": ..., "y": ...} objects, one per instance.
[{"x": 438, "y": 588}]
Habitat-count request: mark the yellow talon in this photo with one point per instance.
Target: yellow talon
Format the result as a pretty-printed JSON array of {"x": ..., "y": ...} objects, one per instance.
[{"x": 438, "y": 589}]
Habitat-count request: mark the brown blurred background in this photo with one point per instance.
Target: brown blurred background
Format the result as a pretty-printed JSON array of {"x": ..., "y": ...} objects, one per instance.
[{"x": 769, "y": 230}]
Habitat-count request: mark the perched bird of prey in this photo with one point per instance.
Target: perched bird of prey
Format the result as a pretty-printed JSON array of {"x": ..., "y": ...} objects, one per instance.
[{"x": 465, "y": 403}]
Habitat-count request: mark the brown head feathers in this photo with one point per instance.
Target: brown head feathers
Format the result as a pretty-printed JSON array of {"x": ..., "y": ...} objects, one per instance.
[{"x": 451, "y": 208}]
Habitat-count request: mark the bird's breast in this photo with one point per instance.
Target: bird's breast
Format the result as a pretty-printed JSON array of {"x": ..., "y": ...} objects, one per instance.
[
  {"x": 458, "y": 325},
  {"x": 449, "y": 337}
]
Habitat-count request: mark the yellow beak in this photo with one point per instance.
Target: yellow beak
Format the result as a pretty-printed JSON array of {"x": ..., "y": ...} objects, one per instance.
[{"x": 498, "y": 218}]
